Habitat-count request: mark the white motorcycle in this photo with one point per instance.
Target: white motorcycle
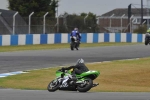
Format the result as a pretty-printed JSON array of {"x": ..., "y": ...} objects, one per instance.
[{"x": 74, "y": 43}]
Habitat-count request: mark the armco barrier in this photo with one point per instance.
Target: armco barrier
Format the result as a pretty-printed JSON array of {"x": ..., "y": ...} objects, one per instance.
[{"x": 30, "y": 39}]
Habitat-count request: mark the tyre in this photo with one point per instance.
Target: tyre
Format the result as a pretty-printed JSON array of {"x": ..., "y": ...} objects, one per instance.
[
  {"x": 146, "y": 41},
  {"x": 72, "y": 46},
  {"x": 85, "y": 87},
  {"x": 76, "y": 46},
  {"x": 53, "y": 86}
]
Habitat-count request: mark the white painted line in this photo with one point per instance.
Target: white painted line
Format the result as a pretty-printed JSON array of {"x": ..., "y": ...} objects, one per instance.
[
  {"x": 11, "y": 73},
  {"x": 113, "y": 60},
  {"x": 2, "y": 76}
]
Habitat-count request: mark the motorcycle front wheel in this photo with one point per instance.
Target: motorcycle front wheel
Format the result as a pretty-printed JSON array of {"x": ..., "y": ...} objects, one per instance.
[
  {"x": 53, "y": 86},
  {"x": 86, "y": 86}
]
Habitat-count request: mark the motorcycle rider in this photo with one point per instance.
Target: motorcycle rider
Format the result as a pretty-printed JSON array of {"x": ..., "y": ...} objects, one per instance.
[
  {"x": 76, "y": 35},
  {"x": 79, "y": 68},
  {"x": 148, "y": 33}
]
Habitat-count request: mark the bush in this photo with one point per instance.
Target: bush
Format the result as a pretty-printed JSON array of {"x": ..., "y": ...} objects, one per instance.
[{"x": 141, "y": 29}]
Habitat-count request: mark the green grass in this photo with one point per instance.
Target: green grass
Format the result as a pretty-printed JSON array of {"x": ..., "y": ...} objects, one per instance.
[
  {"x": 116, "y": 76},
  {"x": 56, "y": 46}
]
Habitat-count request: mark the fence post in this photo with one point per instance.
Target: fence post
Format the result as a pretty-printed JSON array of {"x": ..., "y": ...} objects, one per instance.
[
  {"x": 14, "y": 22},
  {"x": 110, "y": 20},
  {"x": 57, "y": 18},
  {"x": 121, "y": 21},
  {"x": 57, "y": 24},
  {"x": 148, "y": 14},
  {"x": 131, "y": 23},
  {"x": 44, "y": 22},
  {"x": 30, "y": 21},
  {"x": 85, "y": 18},
  {"x": 144, "y": 22},
  {"x": 65, "y": 21}
]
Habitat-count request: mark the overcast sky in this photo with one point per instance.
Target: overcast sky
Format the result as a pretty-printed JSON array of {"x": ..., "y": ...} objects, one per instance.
[{"x": 97, "y": 7}]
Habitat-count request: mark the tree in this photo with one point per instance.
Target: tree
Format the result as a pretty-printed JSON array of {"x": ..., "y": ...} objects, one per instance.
[
  {"x": 74, "y": 20},
  {"x": 40, "y": 7},
  {"x": 91, "y": 22},
  {"x": 141, "y": 29}
]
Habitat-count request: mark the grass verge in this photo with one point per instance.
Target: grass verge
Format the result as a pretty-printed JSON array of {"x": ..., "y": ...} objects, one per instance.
[
  {"x": 116, "y": 76},
  {"x": 56, "y": 46}
]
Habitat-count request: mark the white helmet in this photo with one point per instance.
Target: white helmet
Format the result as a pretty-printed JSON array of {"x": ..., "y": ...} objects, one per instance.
[
  {"x": 80, "y": 61},
  {"x": 76, "y": 29}
]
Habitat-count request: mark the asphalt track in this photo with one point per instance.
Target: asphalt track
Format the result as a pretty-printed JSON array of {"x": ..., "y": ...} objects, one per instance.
[
  {"x": 9, "y": 94},
  {"x": 28, "y": 60}
]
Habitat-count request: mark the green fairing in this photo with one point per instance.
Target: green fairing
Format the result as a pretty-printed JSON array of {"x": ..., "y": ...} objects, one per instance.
[
  {"x": 58, "y": 73},
  {"x": 88, "y": 73},
  {"x": 148, "y": 31}
]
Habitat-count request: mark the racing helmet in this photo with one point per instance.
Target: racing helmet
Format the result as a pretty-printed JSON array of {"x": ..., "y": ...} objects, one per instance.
[
  {"x": 80, "y": 61},
  {"x": 76, "y": 29}
]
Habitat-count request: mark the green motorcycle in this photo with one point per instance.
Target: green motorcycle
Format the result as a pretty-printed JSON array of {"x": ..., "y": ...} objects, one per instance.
[
  {"x": 63, "y": 80},
  {"x": 147, "y": 39}
]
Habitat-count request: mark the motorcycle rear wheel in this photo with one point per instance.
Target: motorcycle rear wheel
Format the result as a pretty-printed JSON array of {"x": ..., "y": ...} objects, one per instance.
[
  {"x": 86, "y": 87},
  {"x": 71, "y": 47}
]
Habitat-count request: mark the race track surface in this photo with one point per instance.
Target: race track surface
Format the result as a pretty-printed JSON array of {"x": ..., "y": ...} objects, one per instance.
[
  {"x": 9, "y": 94},
  {"x": 28, "y": 60}
]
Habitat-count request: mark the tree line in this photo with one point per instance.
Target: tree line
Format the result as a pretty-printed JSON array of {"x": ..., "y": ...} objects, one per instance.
[
  {"x": 66, "y": 24},
  {"x": 40, "y": 7}
]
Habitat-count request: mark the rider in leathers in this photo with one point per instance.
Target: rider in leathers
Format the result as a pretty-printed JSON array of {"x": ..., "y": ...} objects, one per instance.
[
  {"x": 77, "y": 69},
  {"x": 75, "y": 33},
  {"x": 148, "y": 34}
]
